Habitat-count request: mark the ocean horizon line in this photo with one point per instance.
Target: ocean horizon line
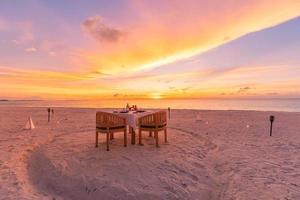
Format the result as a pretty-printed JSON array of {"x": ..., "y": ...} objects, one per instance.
[
  {"x": 164, "y": 99},
  {"x": 290, "y": 105}
]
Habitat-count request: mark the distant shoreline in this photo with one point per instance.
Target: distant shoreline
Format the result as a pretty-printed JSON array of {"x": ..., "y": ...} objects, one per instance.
[
  {"x": 20, "y": 100},
  {"x": 289, "y": 105},
  {"x": 162, "y": 99}
]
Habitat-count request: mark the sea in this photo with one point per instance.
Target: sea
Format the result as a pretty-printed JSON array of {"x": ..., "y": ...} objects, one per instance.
[{"x": 289, "y": 105}]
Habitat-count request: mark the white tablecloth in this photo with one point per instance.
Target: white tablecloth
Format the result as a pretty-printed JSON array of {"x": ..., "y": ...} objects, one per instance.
[{"x": 133, "y": 118}]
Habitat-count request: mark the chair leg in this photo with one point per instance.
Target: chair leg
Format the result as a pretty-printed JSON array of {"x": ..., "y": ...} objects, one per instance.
[
  {"x": 150, "y": 133},
  {"x": 166, "y": 136},
  {"x": 112, "y": 136},
  {"x": 140, "y": 137},
  {"x": 96, "y": 139},
  {"x": 125, "y": 138},
  {"x": 132, "y": 135},
  {"x": 156, "y": 138},
  {"x": 107, "y": 141}
]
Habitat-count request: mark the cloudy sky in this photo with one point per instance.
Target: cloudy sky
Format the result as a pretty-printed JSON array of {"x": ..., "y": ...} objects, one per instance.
[{"x": 62, "y": 49}]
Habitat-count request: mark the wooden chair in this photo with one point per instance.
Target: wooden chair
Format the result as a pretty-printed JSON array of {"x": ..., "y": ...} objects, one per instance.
[
  {"x": 109, "y": 123},
  {"x": 154, "y": 122}
]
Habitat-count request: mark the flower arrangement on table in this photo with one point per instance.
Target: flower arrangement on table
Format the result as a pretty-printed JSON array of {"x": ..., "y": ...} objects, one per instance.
[{"x": 131, "y": 108}]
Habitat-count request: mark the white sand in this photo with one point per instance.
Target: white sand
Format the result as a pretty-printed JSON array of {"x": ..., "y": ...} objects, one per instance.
[{"x": 221, "y": 159}]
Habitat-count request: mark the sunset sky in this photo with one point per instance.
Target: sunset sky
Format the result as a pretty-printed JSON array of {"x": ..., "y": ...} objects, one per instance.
[{"x": 72, "y": 49}]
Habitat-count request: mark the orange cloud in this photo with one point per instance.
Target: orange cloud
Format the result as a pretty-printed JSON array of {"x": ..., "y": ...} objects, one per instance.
[
  {"x": 18, "y": 82},
  {"x": 30, "y": 49},
  {"x": 181, "y": 29}
]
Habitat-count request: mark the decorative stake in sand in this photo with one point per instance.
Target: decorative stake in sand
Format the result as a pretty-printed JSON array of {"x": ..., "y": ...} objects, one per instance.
[
  {"x": 169, "y": 111},
  {"x": 272, "y": 118},
  {"x": 29, "y": 124},
  {"x": 49, "y": 110}
]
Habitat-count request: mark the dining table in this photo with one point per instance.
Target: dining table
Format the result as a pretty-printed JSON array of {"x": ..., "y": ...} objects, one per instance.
[{"x": 132, "y": 120}]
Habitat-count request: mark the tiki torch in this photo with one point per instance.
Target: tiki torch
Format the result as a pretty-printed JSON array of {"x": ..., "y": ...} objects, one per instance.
[
  {"x": 272, "y": 118},
  {"x": 49, "y": 110}
]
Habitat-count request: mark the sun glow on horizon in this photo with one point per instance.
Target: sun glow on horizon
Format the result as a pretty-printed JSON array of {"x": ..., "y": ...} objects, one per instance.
[{"x": 155, "y": 96}]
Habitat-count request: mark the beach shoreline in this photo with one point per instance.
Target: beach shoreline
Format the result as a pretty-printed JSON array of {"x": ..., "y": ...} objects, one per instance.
[{"x": 212, "y": 154}]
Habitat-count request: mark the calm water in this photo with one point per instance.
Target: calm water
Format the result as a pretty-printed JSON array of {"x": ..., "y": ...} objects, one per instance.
[{"x": 292, "y": 105}]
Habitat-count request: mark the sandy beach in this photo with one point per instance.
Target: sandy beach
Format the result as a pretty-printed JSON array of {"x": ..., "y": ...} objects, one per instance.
[{"x": 210, "y": 155}]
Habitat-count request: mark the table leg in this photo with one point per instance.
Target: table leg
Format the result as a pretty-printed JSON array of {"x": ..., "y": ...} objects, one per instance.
[{"x": 132, "y": 135}]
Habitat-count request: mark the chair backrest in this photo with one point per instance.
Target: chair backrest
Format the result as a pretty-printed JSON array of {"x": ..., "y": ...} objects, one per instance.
[
  {"x": 154, "y": 119},
  {"x": 104, "y": 119}
]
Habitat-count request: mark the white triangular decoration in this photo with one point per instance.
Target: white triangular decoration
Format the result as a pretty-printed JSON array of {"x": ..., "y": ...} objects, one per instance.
[{"x": 29, "y": 125}]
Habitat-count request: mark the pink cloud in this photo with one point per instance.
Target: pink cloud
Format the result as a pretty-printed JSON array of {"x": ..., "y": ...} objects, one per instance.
[{"x": 101, "y": 31}]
